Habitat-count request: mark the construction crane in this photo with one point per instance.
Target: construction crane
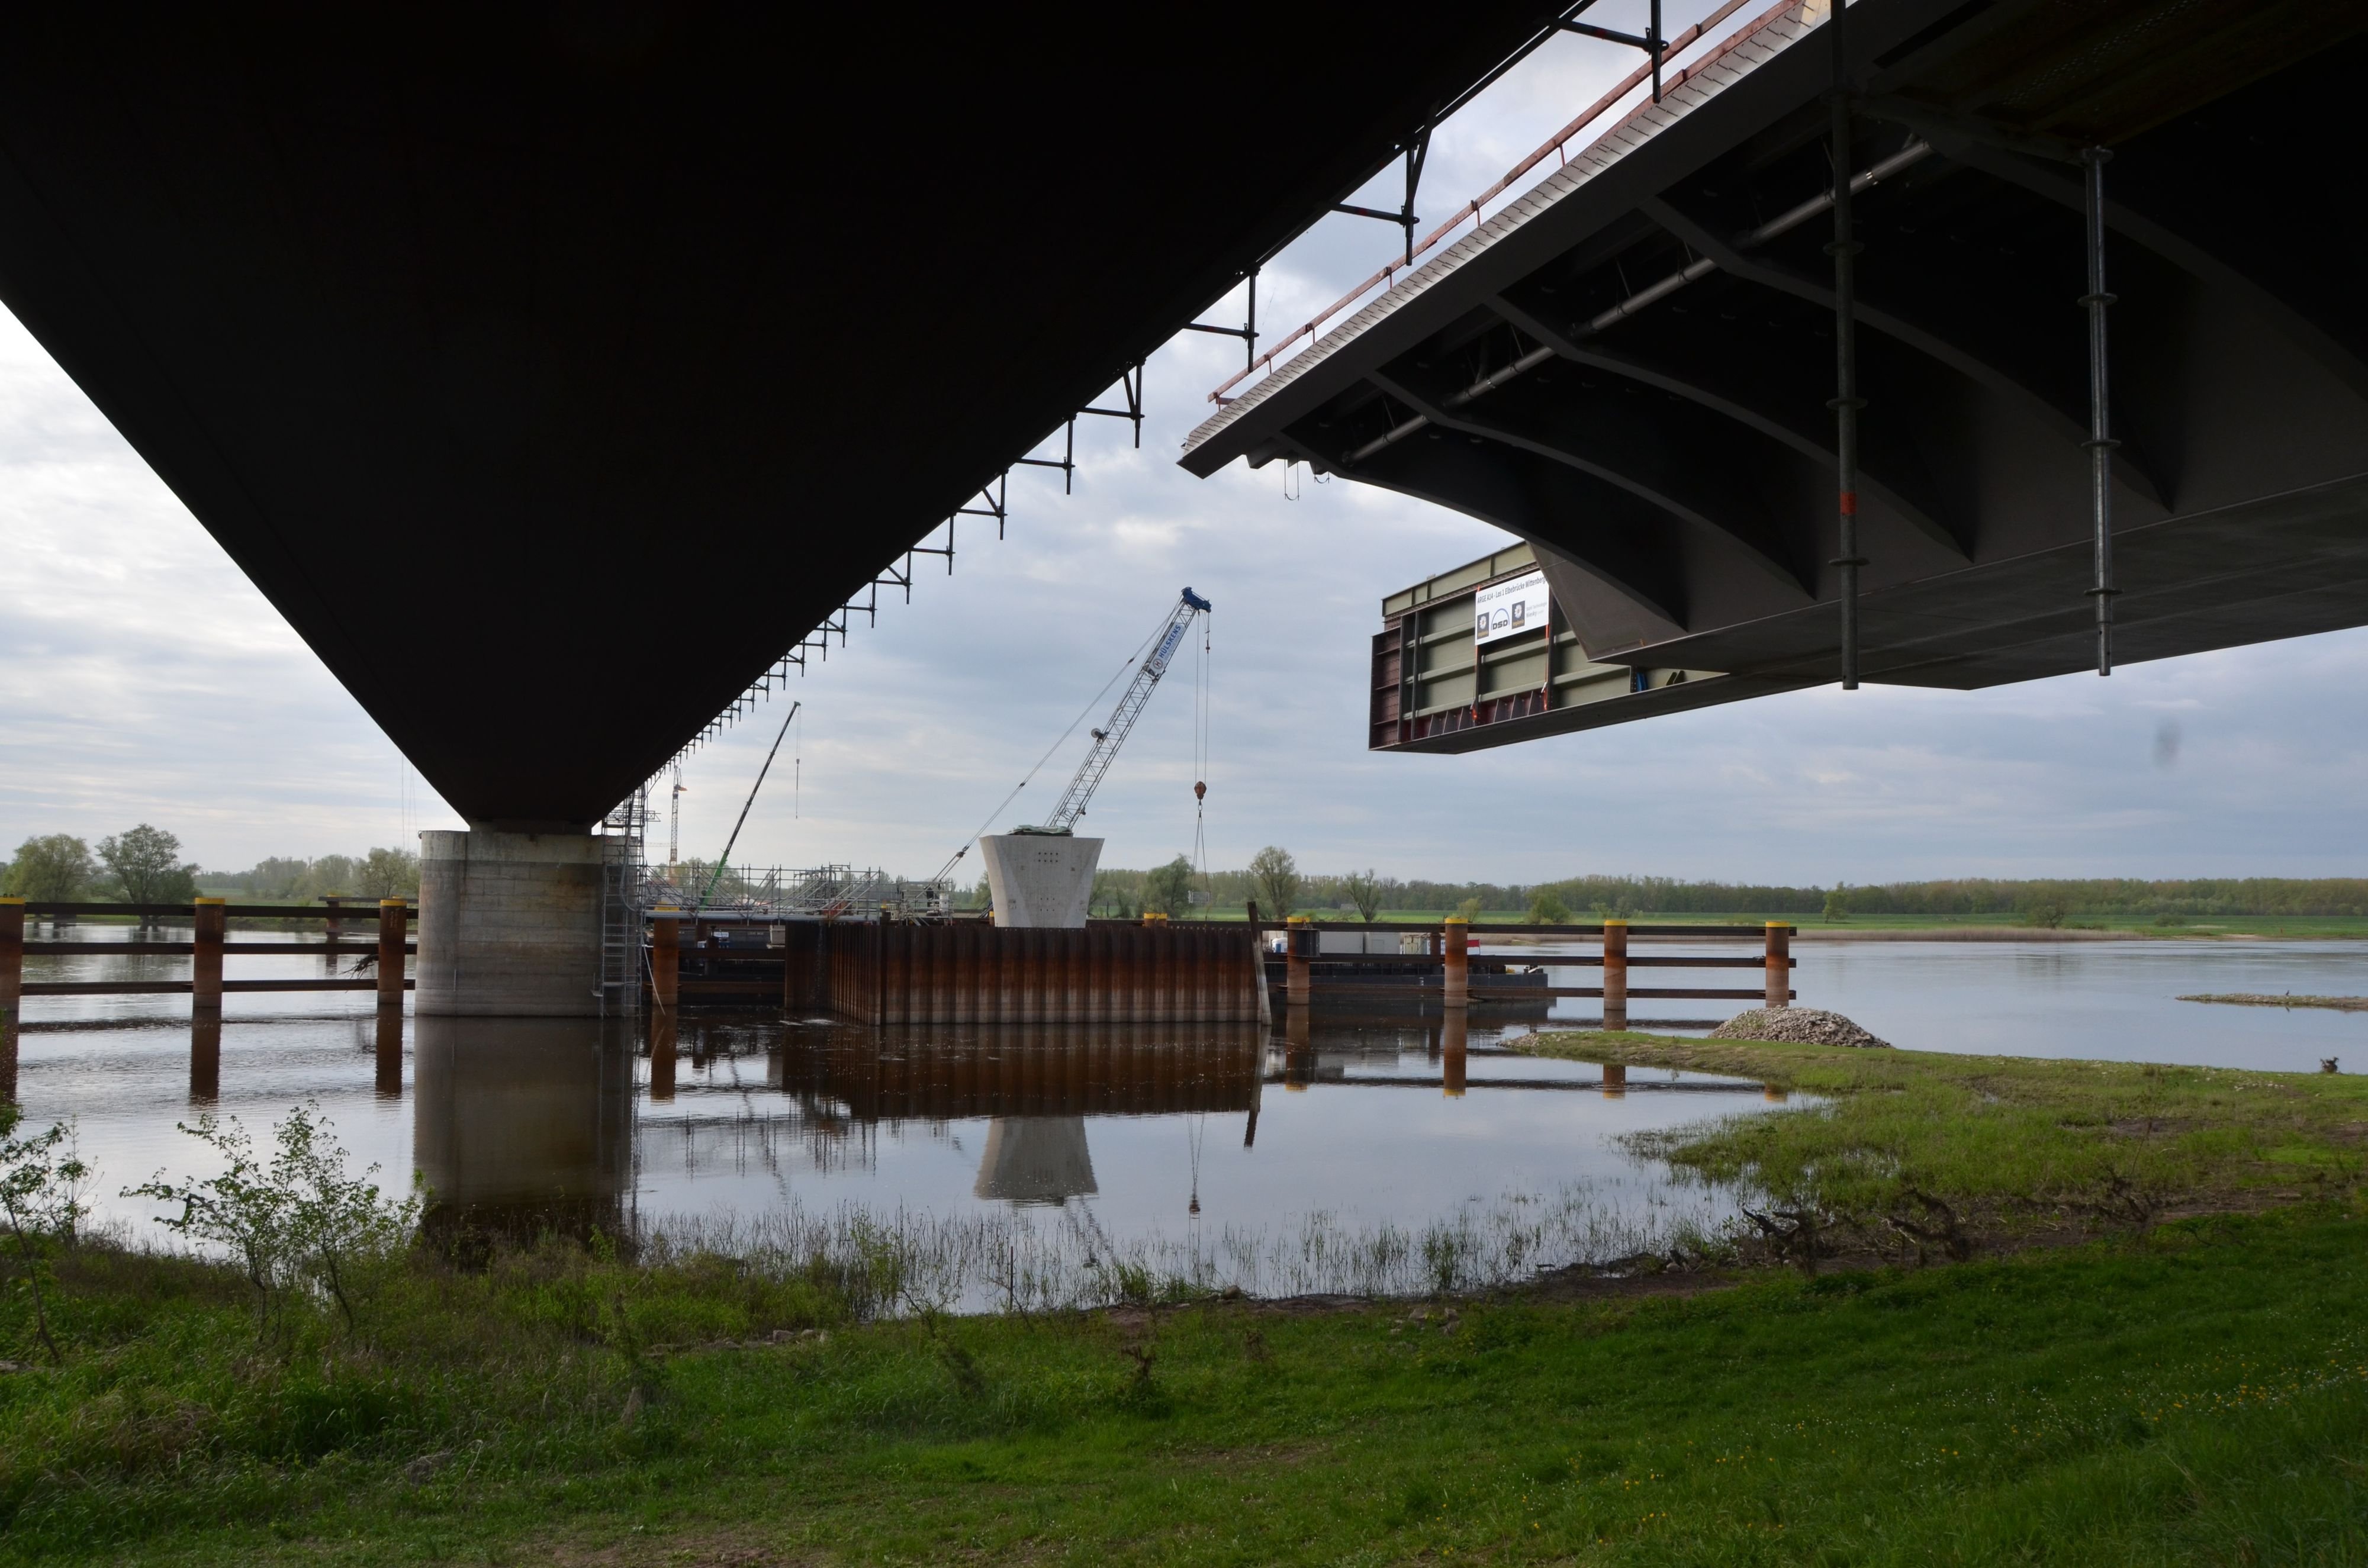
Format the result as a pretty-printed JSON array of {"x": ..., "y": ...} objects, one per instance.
[
  {"x": 1107, "y": 740},
  {"x": 1112, "y": 734}
]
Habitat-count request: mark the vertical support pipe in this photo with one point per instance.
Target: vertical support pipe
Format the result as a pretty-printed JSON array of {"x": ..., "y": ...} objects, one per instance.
[
  {"x": 1846, "y": 401},
  {"x": 1780, "y": 964},
  {"x": 206, "y": 957},
  {"x": 12, "y": 990},
  {"x": 393, "y": 933},
  {"x": 1615, "y": 1080},
  {"x": 2100, "y": 442},
  {"x": 331, "y": 925},
  {"x": 1456, "y": 962},
  {"x": 1298, "y": 942},
  {"x": 666, "y": 957},
  {"x": 1653, "y": 36},
  {"x": 1615, "y": 974},
  {"x": 1455, "y": 1036}
]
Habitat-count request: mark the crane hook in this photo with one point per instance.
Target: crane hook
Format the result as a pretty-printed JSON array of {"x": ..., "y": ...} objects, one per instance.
[{"x": 1200, "y": 791}]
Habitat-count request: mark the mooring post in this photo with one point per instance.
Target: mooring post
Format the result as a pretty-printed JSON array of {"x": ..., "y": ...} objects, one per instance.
[
  {"x": 206, "y": 957},
  {"x": 331, "y": 923},
  {"x": 1615, "y": 1080},
  {"x": 1455, "y": 1039},
  {"x": 394, "y": 932},
  {"x": 12, "y": 990},
  {"x": 1615, "y": 974},
  {"x": 1780, "y": 964},
  {"x": 1299, "y": 945},
  {"x": 665, "y": 955},
  {"x": 1455, "y": 956}
]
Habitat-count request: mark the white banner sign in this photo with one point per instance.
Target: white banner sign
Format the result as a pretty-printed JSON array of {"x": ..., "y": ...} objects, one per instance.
[{"x": 1508, "y": 609}]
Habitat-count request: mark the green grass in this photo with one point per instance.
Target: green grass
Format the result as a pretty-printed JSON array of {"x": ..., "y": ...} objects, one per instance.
[
  {"x": 2010, "y": 1145},
  {"x": 2201, "y": 1394}
]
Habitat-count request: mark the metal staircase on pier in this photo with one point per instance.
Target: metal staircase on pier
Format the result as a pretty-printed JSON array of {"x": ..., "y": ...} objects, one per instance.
[{"x": 622, "y": 904}]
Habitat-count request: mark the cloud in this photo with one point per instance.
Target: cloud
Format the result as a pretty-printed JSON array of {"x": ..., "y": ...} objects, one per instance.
[{"x": 141, "y": 678}]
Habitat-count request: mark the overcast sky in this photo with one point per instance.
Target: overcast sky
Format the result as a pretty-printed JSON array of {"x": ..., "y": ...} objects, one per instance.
[{"x": 142, "y": 678}]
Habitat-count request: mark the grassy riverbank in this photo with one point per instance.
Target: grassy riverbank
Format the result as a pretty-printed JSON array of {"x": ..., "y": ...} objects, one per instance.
[
  {"x": 1922, "y": 1153},
  {"x": 2144, "y": 1391}
]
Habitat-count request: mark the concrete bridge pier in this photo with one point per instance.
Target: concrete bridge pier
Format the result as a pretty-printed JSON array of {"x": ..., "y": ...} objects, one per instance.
[{"x": 510, "y": 925}]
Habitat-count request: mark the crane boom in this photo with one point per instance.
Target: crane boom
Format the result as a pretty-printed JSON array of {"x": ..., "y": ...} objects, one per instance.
[{"x": 1112, "y": 734}]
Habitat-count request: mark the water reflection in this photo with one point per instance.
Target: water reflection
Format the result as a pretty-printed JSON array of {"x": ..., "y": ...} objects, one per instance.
[
  {"x": 519, "y": 1126},
  {"x": 1035, "y": 1159},
  {"x": 522, "y": 1125},
  {"x": 205, "y": 1058},
  {"x": 1037, "y": 1070}
]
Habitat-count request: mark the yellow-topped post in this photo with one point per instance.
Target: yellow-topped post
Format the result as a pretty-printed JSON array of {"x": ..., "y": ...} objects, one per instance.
[
  {"x": 1615, "y": 974},
  {"x": 206, "y": 956},
  {"x": 393, "y": 935},
  {"x": 1455, "y": 955}
]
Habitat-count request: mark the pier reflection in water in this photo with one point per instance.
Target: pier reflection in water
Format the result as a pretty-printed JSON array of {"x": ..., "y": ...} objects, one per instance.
[{"x": 523, "y": 1124}]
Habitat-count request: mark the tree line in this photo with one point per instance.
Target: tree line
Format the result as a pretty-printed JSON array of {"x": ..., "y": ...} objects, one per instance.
[
  {"x": 1275, "y": 881},
  {"x": 144, "y": 865}
]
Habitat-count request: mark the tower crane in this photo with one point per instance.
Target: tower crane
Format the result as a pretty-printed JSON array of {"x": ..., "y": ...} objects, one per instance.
[{"x": 1113, "y": 734}]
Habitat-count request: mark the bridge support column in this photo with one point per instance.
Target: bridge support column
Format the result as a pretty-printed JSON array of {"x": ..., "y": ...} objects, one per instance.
[{"x": 510, "y": 925}]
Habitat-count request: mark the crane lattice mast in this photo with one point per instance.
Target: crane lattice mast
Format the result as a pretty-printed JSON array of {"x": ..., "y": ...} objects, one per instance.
[{"x": 1112, "y": 734}]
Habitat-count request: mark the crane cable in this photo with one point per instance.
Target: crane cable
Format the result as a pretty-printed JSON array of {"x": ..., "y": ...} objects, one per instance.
[{"x": 1201, "y": 694}]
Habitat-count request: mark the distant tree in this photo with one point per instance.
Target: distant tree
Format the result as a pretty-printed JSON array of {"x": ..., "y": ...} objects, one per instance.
[
  {"x": 1469, "y": 909},
  {"x": 1364, "y": 890},
  {"x": 1620, "y": 906},
  {"x": 2044, "y": 908},
  {"x": 55, "y": 866},
  {"x": 146, "y": 864},
  {"x": 280, "y": 877},
  {"x": 333, "y": 873},
  {"x": 1167, "y": 890},
  {"x": 982, "y": 896},
  {"x": 1276, "y": 875},
  {"x": 388, "y": 873},
  {"x": 1836, "y": 905},
  {"x": 1548, "y": 909}
]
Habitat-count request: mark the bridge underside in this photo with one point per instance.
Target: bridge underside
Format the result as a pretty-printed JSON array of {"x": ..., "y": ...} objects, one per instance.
[
  {"x": 1671, "y": 455},
  {"x": 486, "y": 340}
]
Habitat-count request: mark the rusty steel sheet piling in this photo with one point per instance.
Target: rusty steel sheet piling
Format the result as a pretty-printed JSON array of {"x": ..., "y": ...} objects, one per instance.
[{"x": 968, "y": 973}]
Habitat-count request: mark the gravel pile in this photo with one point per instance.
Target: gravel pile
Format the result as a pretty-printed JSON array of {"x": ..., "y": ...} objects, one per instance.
[{"x": 1797, "y": 1025}]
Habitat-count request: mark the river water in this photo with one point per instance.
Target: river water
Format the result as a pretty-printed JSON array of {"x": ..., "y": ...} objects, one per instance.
[
  {"x": 1235, "y": 1139},
  {"x": 2117, "y": 1001}
]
